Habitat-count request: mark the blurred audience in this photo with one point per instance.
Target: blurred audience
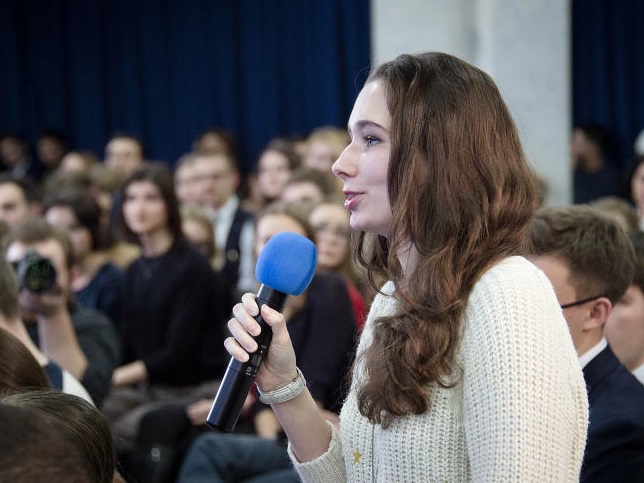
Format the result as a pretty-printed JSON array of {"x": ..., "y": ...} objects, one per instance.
[
  {"x": 323, "y": 333},
  {"x": 97, "y": 282},
  {"x": 330, "y": 221}
]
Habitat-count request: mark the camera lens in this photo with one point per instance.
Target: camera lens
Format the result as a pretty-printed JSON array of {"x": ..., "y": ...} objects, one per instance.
[{"x": 36, "y": 273}]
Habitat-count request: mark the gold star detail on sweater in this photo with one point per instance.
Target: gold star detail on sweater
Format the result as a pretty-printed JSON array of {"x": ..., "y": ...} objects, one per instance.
[{"x": 356, "y": 457}]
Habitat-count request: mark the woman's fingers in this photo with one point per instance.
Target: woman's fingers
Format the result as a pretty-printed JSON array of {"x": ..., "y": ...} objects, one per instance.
[{"x": 235, "y": 350}]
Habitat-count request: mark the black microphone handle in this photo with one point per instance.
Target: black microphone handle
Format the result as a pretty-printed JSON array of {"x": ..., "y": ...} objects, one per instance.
[{"x": 239, "y": 376}]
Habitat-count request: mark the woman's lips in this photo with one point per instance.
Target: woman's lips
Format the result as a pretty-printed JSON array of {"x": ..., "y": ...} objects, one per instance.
[{"x": 353, "y": 198}]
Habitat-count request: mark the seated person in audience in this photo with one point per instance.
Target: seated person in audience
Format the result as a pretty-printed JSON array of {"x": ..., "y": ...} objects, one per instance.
[
  {"x": 19, "y": 200},
  {"x": 219, "y": 179},
  {"x": 215, "y": 140},
  {"x": 173, "y": 313},
  {"x": 619, "y": 209},
  {"x": 275, "y": 165},
  {"x": 19, "y": 369},
  {"x": 86, "y": 423},
  {"x": 82, "y": 341},
  {"x": 123, "y": 154},
  {"x": 16, "y": 159},
  {"x": 308, "y": 185},
  {"x": 35, "y": 447},
  {"x": 330, "y": 221},
  {"x": 624, "y": 329},
  {"x": 186, "y": 180},
  {"x": 323, "y": 332},
  {"x": 323, "y": 147},
  {"x": 200, "y": 232},
  {"x": 78, "y": 161},
  {"x": 97, "y": 283},
  {"x": 590, "y": 262},
  {"x": 51, "y": 147},
  {"x": 11, "y": 322}
]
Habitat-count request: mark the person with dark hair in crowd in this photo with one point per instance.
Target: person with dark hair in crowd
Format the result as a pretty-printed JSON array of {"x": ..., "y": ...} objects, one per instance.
[
  {"x": 15, "y": 158},
  {"x": 82, "y": 341},
  {"x": 465, "y": 370},
  {"x": 124, "y": 153},
  {"x": 275, "y": 165},
  {"x": 51, "y": 147},
  {"x": 35, "y": 447},
  {"x": 173, "y": 310},
  {"x": 19, "y": 199},
  {"x": 98, "y": 283},
  {"x": 215, "y": 140},
  {"x": 86, "y": 423},
  {"x": 590, "y": 261},
  {"x": 594, "y": 171},
  {"x": 19, "y": 368}
]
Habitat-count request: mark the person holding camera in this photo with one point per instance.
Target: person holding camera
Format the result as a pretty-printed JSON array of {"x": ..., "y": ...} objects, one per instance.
[
  {"x": 82, "y": 341},
  {"x": 11, "y": 322}
]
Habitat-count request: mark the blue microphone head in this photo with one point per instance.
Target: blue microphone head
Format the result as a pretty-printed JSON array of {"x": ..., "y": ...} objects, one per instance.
[{"x": 287, "y": 263}]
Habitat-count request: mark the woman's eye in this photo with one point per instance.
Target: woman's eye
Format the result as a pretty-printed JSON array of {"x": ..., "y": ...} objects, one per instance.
[{"x": 371, "y": 140}]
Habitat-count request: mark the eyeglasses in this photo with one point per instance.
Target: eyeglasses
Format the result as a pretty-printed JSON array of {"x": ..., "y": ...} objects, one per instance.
[{"x": 580, "y": 302}]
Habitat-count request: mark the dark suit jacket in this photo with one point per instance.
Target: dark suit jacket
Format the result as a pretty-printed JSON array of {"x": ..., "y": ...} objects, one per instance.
[{"x": 615, "y": 445}]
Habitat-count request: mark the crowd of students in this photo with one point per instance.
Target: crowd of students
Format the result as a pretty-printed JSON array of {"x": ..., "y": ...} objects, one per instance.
[{"x": 148, "y": 263}]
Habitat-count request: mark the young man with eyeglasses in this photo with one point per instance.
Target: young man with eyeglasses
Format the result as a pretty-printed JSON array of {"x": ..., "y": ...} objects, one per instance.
[{"x": 590, "y": 262}]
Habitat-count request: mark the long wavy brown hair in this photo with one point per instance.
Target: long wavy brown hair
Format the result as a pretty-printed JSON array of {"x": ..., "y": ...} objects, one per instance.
[{"x": 463, "y": 194}]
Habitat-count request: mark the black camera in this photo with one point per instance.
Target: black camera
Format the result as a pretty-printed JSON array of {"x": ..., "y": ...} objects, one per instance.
[{"x": 35, "y": 273}]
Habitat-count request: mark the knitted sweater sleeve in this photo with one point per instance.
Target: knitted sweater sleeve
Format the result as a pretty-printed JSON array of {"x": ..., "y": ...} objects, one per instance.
[{"x": 524, "y": 401}]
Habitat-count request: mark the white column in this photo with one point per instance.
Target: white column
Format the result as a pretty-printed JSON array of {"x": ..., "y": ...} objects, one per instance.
[{"x": 523, "y": 44}]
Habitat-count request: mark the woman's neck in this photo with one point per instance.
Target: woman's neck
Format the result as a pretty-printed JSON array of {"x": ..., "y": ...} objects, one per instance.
[
  {"x": 408, "y": 258},
  {"x": 156, "y": 243}
]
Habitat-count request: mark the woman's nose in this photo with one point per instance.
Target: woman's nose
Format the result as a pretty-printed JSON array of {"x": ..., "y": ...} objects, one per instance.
[{"x": 343, "y": 166}]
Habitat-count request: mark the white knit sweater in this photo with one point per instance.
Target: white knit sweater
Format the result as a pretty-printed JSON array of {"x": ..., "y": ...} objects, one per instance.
[{"x": 518, "y": 414}]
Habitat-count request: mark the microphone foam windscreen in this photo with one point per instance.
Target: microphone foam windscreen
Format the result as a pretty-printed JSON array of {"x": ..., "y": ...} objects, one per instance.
[{"x": 287, "y": 263}]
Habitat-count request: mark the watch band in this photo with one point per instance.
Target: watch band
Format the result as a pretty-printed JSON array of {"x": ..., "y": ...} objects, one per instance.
[{"x": 285, "y": 393}]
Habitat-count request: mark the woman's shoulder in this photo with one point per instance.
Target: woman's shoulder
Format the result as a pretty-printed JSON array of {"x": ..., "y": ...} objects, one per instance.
[{"x": 514, "y": 273}]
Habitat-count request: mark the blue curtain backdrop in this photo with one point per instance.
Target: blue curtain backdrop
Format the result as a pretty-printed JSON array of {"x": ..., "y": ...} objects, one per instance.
[
  {"x": 165, "y": 70},
  {"x": 608, "y": 68}
]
